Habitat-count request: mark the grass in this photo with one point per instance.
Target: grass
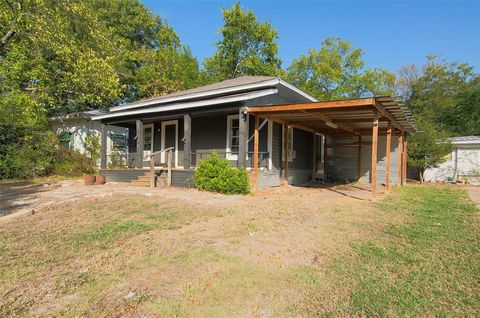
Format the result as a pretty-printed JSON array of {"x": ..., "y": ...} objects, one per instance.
[
  {"x": 152, "y": 257},
  {"x": 426, "y": 267}
]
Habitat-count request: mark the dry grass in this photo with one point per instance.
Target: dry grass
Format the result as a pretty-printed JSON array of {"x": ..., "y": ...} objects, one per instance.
[{"x": 275, "y": 254}]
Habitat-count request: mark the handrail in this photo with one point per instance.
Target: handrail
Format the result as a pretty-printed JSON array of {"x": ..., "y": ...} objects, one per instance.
[{"x": 169, "y": 166}]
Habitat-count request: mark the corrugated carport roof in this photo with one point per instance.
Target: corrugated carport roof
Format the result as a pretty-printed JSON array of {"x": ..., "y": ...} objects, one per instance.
[{"x": 352, "y": 116}]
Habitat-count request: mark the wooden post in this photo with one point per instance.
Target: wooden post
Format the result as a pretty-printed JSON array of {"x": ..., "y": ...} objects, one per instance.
[
  {"x": 359, "y": 158},
  {"x": 139, "y": 126},
  {"x": 187, "y": 141},
  {"x": 325, "y": 158},
  {"x": 285, "y": 150},
  {"x": 404, "y": 170},
  {"x": 374, "y": 154},
  {"x": 152, "y": 171},
  {"x": 388, "y": 149},
  {"x": 169, "y": 167},
  {"x": 314, "y": 156},
  {"x": 400, "y": 158},
  {"x": 242, "y": 138},
  {"x": 103, "y": 142},
  {"x": 255, "y": 154}
]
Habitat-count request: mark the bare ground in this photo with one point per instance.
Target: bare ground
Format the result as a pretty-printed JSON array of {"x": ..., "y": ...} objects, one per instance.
[{"x": 118, "y": 250}]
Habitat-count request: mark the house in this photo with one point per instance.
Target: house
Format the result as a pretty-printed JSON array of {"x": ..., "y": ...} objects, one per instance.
[
  {"x": 463, "y": 163},
  {"x": 264, "y": 124},
  {"x": 75, "y": 129}
]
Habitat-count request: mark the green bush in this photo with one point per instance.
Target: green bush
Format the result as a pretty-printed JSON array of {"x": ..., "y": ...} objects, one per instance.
[
  {"x": 217, "y": 175},
  {"x": 74, "y": 164}
]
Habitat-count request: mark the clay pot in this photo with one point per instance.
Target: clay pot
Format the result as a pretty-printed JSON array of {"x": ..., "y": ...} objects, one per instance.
[
  {"x": 100, "y": 180},
  {"x": 89, "y": 180}
]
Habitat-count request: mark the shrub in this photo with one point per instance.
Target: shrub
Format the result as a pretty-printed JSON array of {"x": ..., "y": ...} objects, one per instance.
[
  {"x": 74, "y": 164},
  {"x": 217, "y": 175}
]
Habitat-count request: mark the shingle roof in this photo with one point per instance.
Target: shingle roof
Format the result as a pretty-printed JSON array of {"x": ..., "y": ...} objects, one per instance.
[{"x": 465, "y": 139}]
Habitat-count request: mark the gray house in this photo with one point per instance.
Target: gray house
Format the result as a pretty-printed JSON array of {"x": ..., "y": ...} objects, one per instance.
[{"x": 263, "y": 124}]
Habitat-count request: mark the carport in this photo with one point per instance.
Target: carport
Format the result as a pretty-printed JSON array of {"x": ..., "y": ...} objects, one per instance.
[{"x": 344, "y": 118}]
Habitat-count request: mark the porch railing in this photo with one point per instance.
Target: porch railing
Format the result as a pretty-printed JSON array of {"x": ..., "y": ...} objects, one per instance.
[
  {"x": 121, "y": 160},
  {"x": 169, "y": 152},
  {"x": 263, "y": 158}
]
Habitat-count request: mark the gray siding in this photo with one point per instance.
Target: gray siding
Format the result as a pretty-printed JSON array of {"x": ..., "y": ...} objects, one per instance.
[
  {"x": 126, "y": 175},
  {"x": 182, "y": 178},
  {"x": 342, "y": 162}
]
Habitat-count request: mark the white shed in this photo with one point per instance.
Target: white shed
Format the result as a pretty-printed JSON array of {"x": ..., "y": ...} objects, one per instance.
[{"x": 463, "y": 163}]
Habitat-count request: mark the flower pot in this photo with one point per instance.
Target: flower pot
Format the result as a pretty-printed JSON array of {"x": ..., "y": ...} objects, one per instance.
[
  {"x": 89, "y": 180},
  {"x": 100, "y": 180}
]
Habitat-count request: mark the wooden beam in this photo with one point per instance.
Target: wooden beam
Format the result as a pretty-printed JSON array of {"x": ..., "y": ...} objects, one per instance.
[
  {"x": 283, "y": 122},
  {"x": 374, "y": 155},
  {"x": 139, "y": 127},
  {"x": 400, "y": 158},
  {"x": 386, "y": 114},
  {"x": 311, "y": 106},
  {"x": 255, "y": 154},
  {"x": 326, "y": 118},
  {"x": 404, "y": 170},
  {"x": 359, "y": 158},
  {"x": 285, "y": 149},
  {"x": 103, "y": 144},
  {"x": 314, "y": 156},
  {"x": 388, "y": 150},
  {"x": 187, "y": 140}
]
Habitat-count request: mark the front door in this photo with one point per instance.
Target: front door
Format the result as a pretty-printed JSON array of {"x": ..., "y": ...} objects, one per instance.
[
  {"x": 170, "y": 139},
  {"x": 147, "y": 141}
]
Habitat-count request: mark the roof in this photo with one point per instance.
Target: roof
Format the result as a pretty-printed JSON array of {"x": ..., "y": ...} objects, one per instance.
[
  {"x": 224, "y": 89},
  {"x": 351, "y": 116},
  {"x": 82, "y": 115},
  {"x": 461, "y": 140}
]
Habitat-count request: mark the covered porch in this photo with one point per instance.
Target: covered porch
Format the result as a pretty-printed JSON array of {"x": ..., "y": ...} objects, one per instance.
[{"x": 350, "y": 131}]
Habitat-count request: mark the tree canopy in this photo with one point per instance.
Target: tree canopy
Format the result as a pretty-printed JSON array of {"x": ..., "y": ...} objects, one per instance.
[
  {"x": 247, "y": 47},
  {"x": 337, "y": 71}
]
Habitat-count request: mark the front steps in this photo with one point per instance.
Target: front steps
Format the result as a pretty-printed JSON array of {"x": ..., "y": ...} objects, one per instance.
[{"x": 144, "y": 181}]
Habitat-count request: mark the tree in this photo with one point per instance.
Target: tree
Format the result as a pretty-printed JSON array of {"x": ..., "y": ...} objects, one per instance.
[
  {"x": 337, "y": 71},
  {"x": 446, "y": 94},
  {"x": 428, "y": 147},
  {"x": 248, "y": 47}
]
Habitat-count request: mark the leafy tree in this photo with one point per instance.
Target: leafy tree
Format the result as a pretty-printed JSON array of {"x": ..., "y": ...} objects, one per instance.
[
  {"x": 446, "y": 94},
  {"x": 427, "y": 147},
  {"x": 248, "y": 47},
  {"x": 337, "y": 71}
]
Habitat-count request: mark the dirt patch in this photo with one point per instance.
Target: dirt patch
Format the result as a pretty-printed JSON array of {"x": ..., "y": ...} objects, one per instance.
[{"x": 117, "y": 250}]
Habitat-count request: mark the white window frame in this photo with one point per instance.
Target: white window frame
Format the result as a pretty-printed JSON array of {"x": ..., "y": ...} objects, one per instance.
[
  {"x": 270, "y": 145},
  {"x": 228, "y": 147},
  {"x": 291, "y": 151},
  {"x": 162, "y": 157},
  {"x": 151, "y": 126}
]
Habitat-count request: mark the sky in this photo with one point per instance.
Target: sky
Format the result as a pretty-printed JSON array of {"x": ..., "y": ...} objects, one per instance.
[{"x": 392, "y": 33}]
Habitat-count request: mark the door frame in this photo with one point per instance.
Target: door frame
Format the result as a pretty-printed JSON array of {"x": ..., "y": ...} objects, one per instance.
[
  {"x": 166, "y": 123},
  {"x": 152, "y": 127}
]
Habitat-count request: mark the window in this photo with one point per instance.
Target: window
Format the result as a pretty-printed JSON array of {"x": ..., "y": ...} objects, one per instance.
[
  {"x": 291, "y": 151},
  {"x": 119, "y": 142},
  {"x": 66, "y": 139},
  {"x": 233, "y": 125}
]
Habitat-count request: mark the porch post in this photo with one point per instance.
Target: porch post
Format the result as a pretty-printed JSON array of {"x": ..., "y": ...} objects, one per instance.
[
  {"x": 404, "y": 170},
  {"x": 139, "y": 126},
  {"x": 314, "y": 156},
  {"x": 255, "y": 154},
  {"x": 103, "y": 143},
  {"x": 242, "y": 138},
  {"x": 388, "y": 148},
  {"x": 400, "y": 159},
  {"x": 374, "y": 154},
  {"x": 285, "y": 151},
  {"x": 187, "y": 146}
]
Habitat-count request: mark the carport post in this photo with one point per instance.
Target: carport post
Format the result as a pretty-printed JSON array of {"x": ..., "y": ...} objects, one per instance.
[
  {"x": 400, "y": 158},
  {"x": 404, "y": 170},
  {"x": 255, "y": 154},
  {"x": 388, "y": 148},
  {"x": 285, "y": 150},
  {"x": 374, "y": 154}
]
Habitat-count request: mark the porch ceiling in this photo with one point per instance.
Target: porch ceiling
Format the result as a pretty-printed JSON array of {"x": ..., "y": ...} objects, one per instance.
[{"x": 353, "y": 116}]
